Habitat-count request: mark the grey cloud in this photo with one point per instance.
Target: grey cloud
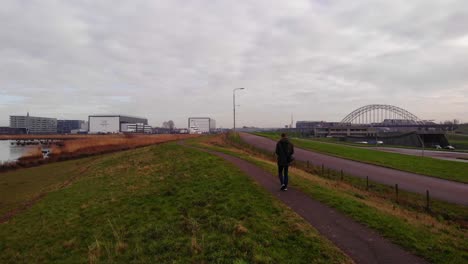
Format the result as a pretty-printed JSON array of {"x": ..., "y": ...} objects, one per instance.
[{"x": 175, "y": 59}]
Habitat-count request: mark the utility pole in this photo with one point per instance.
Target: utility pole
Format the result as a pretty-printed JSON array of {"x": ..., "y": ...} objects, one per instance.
[{"x": 234, "y": 106}]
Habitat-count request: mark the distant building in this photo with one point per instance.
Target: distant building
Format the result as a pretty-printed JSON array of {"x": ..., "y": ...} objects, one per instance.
[
  {"x": 34, "y": 125},
  {"x": 161, "y": 130},
  {"x": 201, "y": 125},
  {"x": 67, "y": 126},
  {"x": 112, "y": 123},
  {"x": 306, "y": 125},
  {"x": 12, "y": 131},
  {"x": 345, "y": 131},
  {"x": 136, "y": 128},
  {"x": 181, "y": 131}
]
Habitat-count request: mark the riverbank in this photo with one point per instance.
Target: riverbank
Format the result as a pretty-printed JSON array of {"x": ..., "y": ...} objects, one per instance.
[{"x": 88, "y": 145}]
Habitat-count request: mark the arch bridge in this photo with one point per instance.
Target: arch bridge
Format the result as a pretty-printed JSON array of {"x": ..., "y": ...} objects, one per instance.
[{"x": 377, "y": 113}]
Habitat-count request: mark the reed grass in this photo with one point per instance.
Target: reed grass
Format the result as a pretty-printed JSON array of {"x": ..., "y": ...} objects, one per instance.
[
  {"x": 32, "y": 154},
  {"x": 88, "y": 145},
  {"x": 101, "y": 144}
]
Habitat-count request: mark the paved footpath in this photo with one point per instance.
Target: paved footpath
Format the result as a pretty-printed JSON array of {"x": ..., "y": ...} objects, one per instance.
[
  {"x": 359, "y": 242},
  {"x": 445, "y": 190}
]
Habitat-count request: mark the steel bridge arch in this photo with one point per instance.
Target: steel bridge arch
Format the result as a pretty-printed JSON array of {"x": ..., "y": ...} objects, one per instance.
[{"x": 376, "y": 113}]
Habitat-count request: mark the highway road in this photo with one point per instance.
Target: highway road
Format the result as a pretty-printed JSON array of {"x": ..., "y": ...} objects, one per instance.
[{"x": 445, "y": 190}]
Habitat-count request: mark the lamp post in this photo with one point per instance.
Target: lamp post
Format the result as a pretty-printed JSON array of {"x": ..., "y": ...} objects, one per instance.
[{"x": 234, "y": 106}]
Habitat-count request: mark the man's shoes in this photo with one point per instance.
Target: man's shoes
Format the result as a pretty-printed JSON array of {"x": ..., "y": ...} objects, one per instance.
[{"x": 283, "y": 187}]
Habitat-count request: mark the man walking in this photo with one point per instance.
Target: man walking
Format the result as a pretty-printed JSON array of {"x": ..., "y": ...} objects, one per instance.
[{"x": 284, "y": 152}]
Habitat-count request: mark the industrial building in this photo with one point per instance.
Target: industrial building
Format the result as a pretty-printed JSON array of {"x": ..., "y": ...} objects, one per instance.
[
  {"x": 389, "y": 131},
  {"x": 136, "y": 128},
  {"x": 12, "y": 131},
  {"x": 34, "y": 124},
  {"x": 201, "y": 125},
  {"x": 67, "y": 126},
  {"x": 99, "y": 124}
]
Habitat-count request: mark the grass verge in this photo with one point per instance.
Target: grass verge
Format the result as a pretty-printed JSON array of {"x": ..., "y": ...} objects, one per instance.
[
  {"x": 430, "y": 236},
  {"x": 159, "y": 204},
  {"x": 444, "y": 169},
  {"x": 460, "y": 142}
]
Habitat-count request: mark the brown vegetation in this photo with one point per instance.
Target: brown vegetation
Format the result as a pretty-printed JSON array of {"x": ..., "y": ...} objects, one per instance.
[
  {"x": 32, "y": 154},
  {"x": 101, "y": 144},
  {"x": 86, "y": 145}
]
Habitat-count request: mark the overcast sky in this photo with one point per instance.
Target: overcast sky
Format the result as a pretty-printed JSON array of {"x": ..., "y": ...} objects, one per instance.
[{"x": 317, "y": 60}]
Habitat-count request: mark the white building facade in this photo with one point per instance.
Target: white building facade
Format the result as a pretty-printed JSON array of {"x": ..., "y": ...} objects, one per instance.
[
  {"x": 201, "y": 125},
  {"x": 105, "y": 124},
  {"x": 136, "y": 128}
]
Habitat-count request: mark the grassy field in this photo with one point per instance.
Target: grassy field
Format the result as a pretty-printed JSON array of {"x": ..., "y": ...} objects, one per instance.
[
  {"x": 460, "y": 142},
  {"x": 158, "y": 204},
  {"x": 428, "y": 235},
  {"x": 463, "y": 128},
  {"x": 450, "y": 170}
]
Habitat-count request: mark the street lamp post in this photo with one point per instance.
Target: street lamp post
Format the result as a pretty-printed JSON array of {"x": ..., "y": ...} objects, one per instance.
[{"x": 234, "y": 106}]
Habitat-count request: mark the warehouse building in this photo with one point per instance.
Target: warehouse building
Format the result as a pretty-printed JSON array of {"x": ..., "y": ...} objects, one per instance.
[
  {"x": 136, "y": 128},
  {"x": 34, "y": 124},
  {"x": 12, "y": 131},
  {"x": 67, "y": 126},
  {"x": 104, "y": 124},
  {"x": 201, "y": 125}
]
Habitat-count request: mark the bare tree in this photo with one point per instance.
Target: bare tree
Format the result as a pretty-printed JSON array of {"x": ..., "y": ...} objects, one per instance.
[
  {"x": 169, "y": 125},
  {"x": 451, "y": 125}
]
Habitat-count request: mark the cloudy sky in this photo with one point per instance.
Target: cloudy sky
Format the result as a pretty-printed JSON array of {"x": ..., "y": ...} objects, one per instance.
[{"x": 317, "y": 60}]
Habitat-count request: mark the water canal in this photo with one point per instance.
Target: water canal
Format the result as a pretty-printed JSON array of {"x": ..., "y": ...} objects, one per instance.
[{"x": 11, "y": 152}]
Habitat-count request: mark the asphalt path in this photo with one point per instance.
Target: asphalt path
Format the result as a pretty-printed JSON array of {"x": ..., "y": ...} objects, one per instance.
[
  {"x": 360, "y": 243},
  {"x": 445, "y": 190}
]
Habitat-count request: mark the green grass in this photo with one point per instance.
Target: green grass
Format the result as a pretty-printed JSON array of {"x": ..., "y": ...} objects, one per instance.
[
  {"x": 460, "y": 142},
  {"x": 435, "y": 239},
  {"x": 160, "y": 204},
  {"x": 450, "y": 170},
  {"x": 17, "y": 187},
  {"x": 463, "y": 128}
]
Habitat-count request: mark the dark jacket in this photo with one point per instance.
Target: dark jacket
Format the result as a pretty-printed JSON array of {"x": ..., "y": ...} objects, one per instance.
[{"x": 284, "y": 151}]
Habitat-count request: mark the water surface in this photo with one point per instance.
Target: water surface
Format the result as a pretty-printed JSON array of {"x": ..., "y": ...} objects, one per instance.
[{"x": 10, "y": 152}]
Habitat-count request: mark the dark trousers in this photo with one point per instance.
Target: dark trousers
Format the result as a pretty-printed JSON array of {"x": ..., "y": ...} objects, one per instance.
[{"x": 283, "y": 175}]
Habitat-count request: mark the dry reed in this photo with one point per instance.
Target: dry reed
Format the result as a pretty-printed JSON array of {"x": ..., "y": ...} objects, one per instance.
[
  {"x": 32, "y": 154},
  {"x": 101, "y": 144},
  {"x": 86, "y": 145}
]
